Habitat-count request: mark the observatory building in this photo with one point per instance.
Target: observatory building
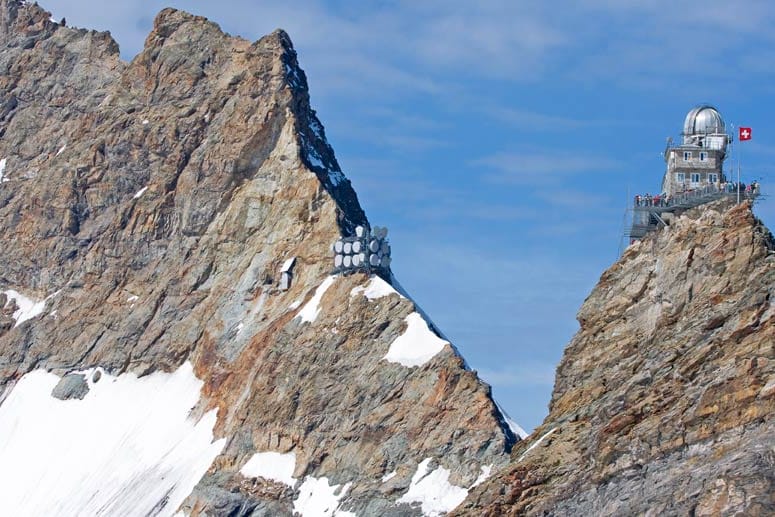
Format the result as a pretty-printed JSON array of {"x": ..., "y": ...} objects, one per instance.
[
  {"x": 694, "y": 174},
  {"x": 697, "y": 161}
]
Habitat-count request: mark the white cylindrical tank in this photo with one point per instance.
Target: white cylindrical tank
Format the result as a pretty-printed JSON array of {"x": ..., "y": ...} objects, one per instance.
[
  {"x": 374, "y": 260},
  {"x": 356, "y": 260},
  {"x": 357, "y": 247},
  {"x": 359, "y": 231},
  {"x": 348, "y": 247},
  {"x": 374, "y": 246},
  {"x": 338, "y": 246},
  {"x": 338, "y": 261},
  {"x": 348, "y": 261}
]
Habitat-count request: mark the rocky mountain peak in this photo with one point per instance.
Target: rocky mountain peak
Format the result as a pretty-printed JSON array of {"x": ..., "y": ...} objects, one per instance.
[
  {"x": 665, "y": 398},
  {"x": 149, "y": 210}
]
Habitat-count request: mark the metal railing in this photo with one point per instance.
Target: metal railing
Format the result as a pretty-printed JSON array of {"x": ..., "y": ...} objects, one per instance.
[
  {"x": 695, "y": 197},
  {"x": 647, "y": 214}
]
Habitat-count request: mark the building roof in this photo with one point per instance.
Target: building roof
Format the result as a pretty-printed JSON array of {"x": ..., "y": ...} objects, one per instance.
[{"x": 703, "y": 120}]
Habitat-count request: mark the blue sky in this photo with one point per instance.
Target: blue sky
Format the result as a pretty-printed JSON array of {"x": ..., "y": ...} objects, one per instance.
[{"x": 500, "y": 141}]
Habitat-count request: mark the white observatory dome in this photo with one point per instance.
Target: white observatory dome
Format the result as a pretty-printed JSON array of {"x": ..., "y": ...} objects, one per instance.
[{"x": 703, "y": 120}]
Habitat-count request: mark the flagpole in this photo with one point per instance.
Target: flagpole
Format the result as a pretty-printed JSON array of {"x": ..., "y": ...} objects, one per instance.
[{"x": 739, "y": 150}]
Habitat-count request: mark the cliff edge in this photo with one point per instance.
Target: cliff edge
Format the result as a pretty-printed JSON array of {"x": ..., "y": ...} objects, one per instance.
[{"x": 664, "y": 401}]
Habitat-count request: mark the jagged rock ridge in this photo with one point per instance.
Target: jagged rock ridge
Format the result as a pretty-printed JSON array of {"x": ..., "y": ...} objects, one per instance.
[
  {"x": 147, "y": 208},
  {"x": 664, "y": 401}
]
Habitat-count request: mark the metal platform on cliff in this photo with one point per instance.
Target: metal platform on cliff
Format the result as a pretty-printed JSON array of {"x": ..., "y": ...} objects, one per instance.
[{"x": 649, "y": 216}]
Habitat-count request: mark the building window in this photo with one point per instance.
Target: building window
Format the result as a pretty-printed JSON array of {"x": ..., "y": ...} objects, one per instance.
[
  {"x": 712, "y": 178},
  {"x": 687, "y": 156},
  {"x": 703, "y": 156},
  {"x": 695, "y": 178},
  {"x": 680, "y": 177}
]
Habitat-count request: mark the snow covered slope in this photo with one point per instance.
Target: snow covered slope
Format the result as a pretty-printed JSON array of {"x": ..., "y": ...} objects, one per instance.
[{"x": 130, "y": 447}]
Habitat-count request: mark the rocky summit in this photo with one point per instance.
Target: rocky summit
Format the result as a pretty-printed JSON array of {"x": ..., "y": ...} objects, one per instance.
[
  {"x": 173, "y": 340},
  {"x": 664, "y": 401},
  {"x": 151, "y": 363}
]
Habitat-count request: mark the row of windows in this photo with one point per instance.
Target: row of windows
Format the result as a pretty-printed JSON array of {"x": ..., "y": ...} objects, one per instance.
[
  {"x": 688, "y": 155},
  {"x": 680, "y": 177}
]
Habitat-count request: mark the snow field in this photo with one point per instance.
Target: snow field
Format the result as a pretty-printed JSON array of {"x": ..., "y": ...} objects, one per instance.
[{"x": 128, "y": 448}]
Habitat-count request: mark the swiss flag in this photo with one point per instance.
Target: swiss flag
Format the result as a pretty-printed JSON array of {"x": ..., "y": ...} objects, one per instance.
[{"x": 745, "y": 133}]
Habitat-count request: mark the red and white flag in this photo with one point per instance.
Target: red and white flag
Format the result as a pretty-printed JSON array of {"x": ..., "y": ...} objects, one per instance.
[{"x": 745, "y": 133}]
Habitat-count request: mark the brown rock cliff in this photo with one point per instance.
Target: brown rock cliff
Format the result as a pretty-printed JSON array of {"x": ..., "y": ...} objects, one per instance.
[
  {"x": 152, "y": 203},
  {"x": 664, "y": 401}
]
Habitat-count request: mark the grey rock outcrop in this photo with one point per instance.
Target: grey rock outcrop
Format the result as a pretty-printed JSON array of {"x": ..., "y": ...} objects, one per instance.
[{"x": 71, "y": 386}]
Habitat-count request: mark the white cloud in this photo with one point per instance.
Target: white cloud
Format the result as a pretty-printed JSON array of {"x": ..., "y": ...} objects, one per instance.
[
  {"x": 541, "y": 167},
  {"x": 423, "y": 46}
]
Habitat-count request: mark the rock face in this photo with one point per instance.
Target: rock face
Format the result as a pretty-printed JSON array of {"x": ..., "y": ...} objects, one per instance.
[
  {"x": 664, "y": 402},
  {"x": 146, "y": 210}
]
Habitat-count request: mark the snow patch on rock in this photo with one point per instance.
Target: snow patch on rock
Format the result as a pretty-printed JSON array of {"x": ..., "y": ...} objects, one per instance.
[
  {"x": 513, "y": 426},
  {"x": 275, "y": 466},
  {"x": 27, "y": 308},
  {"x": 483, "y": 476},
  {"x": 3, "y": 177},
  {"x": 319, "y": 499},
  {"x": 311, "y": 309},
  {"x": 129, "y": 447},
  {"x": 433, "y": 491},
  {"x": 376, "y": 288},
  {"x": 537, "y": 442},
  {"x": 140, "y": 193},
  {"x": 417, "y": 345}
]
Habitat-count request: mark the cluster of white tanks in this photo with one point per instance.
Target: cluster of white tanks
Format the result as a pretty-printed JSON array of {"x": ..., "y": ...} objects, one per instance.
[{"x": 368, "y": 250}]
